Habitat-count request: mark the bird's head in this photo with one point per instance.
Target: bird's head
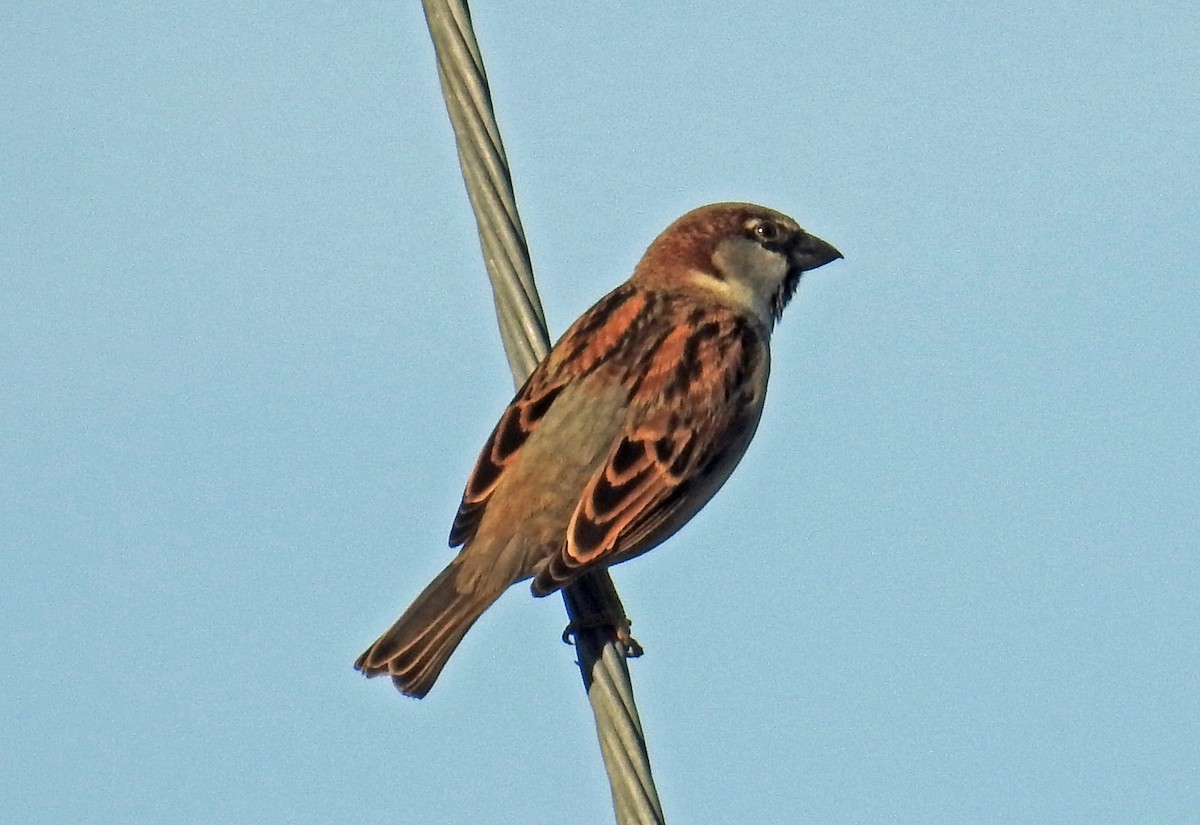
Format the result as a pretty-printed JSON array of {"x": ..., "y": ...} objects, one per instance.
[{"x": 749, "y": 256}]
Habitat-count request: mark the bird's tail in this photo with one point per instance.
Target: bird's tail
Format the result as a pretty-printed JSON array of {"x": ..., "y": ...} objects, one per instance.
[{"x": 415, "y": 649}]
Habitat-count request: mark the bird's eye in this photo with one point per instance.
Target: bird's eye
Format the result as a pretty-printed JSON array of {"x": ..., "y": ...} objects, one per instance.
[{"x": 766, "y": 231}]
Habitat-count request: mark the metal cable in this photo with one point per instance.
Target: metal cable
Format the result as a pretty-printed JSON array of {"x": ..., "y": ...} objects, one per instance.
[{"x": 592, "y": 603}]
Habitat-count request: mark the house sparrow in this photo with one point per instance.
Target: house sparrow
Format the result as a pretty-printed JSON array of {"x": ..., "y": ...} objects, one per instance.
[{"x": 622, "y": 433}]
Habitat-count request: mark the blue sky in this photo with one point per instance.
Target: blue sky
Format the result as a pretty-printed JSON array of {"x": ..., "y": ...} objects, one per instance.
[{"x": 250, "y": 356}]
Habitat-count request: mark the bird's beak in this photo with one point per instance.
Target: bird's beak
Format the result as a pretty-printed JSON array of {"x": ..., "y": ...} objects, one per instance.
[{"x": 810, "y": 252}]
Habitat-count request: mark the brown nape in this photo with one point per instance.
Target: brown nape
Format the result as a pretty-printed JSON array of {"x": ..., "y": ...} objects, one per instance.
[{"x": 690, "y": 242}]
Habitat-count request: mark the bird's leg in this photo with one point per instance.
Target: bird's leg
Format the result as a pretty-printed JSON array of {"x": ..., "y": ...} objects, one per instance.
[{"x": 593, "y": 604}]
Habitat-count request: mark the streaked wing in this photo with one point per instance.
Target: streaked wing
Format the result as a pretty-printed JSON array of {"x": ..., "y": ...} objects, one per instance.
[
  {"x": 516, "y": 424},
  {"x": 607, "y": 327},
  {"x": 690, "y": 420}
]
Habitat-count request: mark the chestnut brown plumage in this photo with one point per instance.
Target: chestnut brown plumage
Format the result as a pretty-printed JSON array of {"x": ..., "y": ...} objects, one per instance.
[{"x": 626, "y": 429}]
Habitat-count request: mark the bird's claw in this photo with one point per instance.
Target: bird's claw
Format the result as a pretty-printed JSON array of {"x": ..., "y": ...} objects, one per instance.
[{"x": 633, "y": 649}]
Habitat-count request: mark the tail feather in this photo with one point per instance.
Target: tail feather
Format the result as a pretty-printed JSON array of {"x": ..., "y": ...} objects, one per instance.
[{"x": 416, "y": 648}]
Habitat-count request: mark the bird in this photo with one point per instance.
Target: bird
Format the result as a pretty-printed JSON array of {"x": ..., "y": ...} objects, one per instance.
[{"x": 628, "y": 426}]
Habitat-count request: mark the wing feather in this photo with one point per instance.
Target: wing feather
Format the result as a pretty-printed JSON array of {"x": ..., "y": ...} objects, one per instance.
[
  {"x": 688, "y": 425},
  {"x": 512, "y": 431},
  {"x": 604, "y": 329}
]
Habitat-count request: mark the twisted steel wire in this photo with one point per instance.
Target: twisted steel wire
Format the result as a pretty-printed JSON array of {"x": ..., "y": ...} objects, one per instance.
[{"x": 592, "y": 603}]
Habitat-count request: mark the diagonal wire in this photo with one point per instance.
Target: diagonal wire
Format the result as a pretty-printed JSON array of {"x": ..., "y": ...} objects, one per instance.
[{"x": 592, "y": 603}]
